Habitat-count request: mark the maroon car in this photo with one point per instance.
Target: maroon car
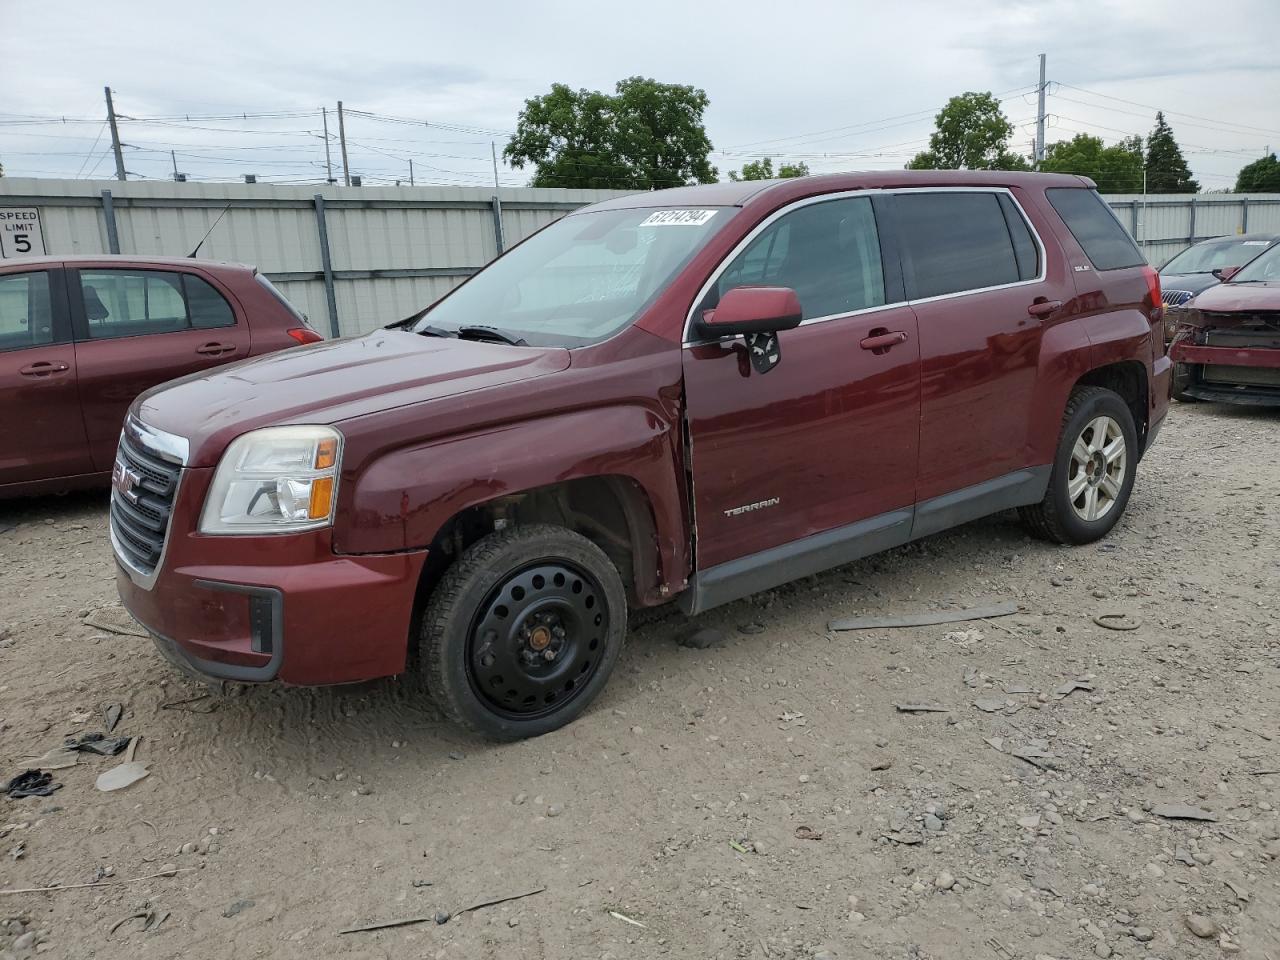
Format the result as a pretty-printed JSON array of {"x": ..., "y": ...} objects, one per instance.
[
  {"x": 1227, "y": 344},
  {"x": 685, "y": 395},
  {"x": 81, "y": 337}
]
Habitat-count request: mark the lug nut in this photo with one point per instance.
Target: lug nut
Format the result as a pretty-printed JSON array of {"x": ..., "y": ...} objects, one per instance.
[{"x": 548, "y": 654}]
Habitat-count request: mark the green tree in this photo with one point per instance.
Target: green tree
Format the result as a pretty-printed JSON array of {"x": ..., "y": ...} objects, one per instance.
[
  {"x": 1261, "y": 176},
  {"x": 1116, "y": 169},
  {"x": 1167, "y": 171},
  {"x": 971, "y": 133},
  {"x": 646, "y": 135},
  {"x": 762, "y": 169}
]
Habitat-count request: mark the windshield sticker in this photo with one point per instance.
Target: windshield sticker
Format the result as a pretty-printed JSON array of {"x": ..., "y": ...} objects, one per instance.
[{"x": 677, "y": 218}]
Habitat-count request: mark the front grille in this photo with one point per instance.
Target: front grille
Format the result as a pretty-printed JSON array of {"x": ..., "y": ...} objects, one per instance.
[
  {"x": 1175, "y": 298},
  {"x": 1245, "y": 376},
  {"x": 142, "y": 493}
]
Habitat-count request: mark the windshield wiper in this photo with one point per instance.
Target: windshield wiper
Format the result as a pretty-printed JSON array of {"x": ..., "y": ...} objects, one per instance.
[
  {"x": 434, "y": 332},
  {"x": 479, "y": 332}
]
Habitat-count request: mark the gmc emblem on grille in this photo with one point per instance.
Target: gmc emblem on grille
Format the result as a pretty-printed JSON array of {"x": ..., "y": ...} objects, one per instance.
[{"x": 125, "y": 481}]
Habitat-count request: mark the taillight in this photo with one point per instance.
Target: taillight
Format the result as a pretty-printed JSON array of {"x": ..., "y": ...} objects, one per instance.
[
  {"x": 1156, "y": 309},
  {"x": 304, "y": 335}
]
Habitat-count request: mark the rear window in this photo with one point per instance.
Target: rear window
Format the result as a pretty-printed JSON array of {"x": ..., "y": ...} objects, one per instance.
[
  {"x": 958, "y": 241},
  {"x": 1100, "y": 235}
]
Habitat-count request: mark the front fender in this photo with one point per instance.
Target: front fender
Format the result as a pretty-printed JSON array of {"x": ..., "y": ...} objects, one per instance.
[{"x": 403, "y": 498}]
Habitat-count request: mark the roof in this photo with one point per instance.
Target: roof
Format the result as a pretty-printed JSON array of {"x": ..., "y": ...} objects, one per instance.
[
  {"x": 129, "y": 259},
  {"x": 1242, "y": 237},
  {"x": 738, "y": 193}
]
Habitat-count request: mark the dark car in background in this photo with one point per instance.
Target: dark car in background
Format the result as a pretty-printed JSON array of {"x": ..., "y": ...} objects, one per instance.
[
  {"x": 81, "y": 337},
  {"x": 1205, "y": 265},
  {"x": 1227, "y": 345}
]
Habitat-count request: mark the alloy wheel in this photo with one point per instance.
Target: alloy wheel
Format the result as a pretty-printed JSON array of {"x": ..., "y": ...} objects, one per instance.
[{"x": 1096, "y": 476}]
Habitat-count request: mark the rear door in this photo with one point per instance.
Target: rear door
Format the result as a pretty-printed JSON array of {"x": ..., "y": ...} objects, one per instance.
[
  {"x": 41, "y": 432},
  {"x": 138, "y": 327},
  {"x": 975, "y": 275}
]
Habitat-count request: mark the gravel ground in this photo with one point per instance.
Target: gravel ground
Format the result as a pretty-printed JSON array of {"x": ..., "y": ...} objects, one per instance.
[{"x": 761, "y": 798}]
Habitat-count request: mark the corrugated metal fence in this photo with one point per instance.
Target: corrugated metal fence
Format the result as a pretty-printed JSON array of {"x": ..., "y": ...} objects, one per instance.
[
  {"x": 351, "y": 258},
  {"x": 356, "y": 258},
  {"x": 1166, "y": 224}
]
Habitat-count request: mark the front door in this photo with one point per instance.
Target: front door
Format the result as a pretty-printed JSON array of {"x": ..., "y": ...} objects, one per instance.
[
  {"x": 829, "y": 436},
  {"x": 41, "y": 433},
  {"x": 137, "y": 328}
]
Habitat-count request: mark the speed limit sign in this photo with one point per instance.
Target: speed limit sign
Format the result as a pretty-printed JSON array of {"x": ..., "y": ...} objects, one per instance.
[{"x": 20, "y": 234}]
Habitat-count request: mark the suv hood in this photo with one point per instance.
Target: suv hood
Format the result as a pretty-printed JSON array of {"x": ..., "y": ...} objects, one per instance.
[
  {"x": 1239, "y": 297},
  {"x": 333, "y": 381},
  {"x": 1191, "y": 282}
]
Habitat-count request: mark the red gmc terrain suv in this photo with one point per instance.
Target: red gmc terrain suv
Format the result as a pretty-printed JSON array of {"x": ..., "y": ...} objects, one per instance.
[{"x": 692, "y": 395}]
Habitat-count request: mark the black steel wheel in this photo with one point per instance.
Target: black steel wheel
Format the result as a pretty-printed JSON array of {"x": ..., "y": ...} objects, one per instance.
[{"x": 522, "y": 631}]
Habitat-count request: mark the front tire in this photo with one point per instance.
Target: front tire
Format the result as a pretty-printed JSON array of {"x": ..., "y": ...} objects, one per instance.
[
  {"x": 1181, "y": 380},
  {"x": 1093, "y": 470},
  {"x": 523, "y": 630}
]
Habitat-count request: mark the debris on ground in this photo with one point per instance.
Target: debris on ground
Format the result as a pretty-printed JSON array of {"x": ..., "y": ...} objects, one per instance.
[
  {"x": 1182, "y": 811},
  {"x": 808, "y": 833},
  {"x": 924, "y": 619},
  {"x": 126, "y": 774},
  {"x": 97, "y": 743},
  {"x": 1117, "y": 621},
  {"x": 440, "y": 916},
  {"x": 920, "y": 708},
  {"x": 115, "y": 620},
  {"x": 1071, "y": 687},
  {"x": 702, "y": 638},
  {"x": 31, "y": 783},
  {"x": 111, "y": 713},
  {"x": 151, "y": 917}
]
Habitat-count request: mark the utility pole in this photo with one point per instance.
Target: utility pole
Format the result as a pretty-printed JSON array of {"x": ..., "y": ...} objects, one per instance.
[
  {"x": 1040, "y": 118},
  {"x": 411, "y": 173},
  {"x": 342, "y": 140},
  {"x": 328, "y": 161},
  {"x": 493, "y": 150},
  {"x": 115, "y": 135},
  {"x": 174, "y": 157}
]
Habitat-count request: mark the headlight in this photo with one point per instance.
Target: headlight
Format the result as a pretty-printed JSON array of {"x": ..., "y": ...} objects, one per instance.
[{"x": 275, "y": 480}]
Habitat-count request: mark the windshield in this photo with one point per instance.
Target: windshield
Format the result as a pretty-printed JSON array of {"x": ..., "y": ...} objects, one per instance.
[
  {"x": 580, "y": 280},
  {"x": 1207, "y": 257},
  {"x": 1264, "y": 268}
]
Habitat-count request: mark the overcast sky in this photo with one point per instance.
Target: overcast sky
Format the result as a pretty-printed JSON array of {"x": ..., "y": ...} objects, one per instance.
[{"x": 841, "y": 85}]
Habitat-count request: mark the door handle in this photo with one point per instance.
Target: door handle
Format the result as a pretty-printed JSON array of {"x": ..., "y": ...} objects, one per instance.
[
  {"x": 1043, "y": 307},
  {"x": 43, "y": 368},
  {"x": 883, "y": 341},
  {"x": 215, "y": 348}
]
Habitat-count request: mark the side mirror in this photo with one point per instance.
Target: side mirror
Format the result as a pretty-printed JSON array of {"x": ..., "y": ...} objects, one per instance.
[
  {"x": 744, "y": 311},
  {"x": 757, "y": 313},
  {"x": 1225, "y": 273}
]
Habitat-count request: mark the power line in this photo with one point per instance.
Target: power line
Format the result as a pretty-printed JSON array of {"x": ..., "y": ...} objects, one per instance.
[{"x": 1172, "y": 113}]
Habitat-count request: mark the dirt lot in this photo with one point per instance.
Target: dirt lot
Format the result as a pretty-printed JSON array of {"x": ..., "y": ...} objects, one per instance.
[{"x": 681, "y": 816}]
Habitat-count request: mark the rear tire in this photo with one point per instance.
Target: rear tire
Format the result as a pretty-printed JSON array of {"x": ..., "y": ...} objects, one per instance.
[
  {"x": 1181, "y": 380},
  {"x": 522, "y": 631},
  {"x": 1093, "y": 470}
]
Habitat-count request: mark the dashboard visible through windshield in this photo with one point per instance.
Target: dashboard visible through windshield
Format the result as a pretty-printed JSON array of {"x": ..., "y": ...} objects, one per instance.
[{"x": 579, "y": 281}]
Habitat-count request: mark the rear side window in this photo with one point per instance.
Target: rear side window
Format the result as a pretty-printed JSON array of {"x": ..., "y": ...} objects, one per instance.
[
  {"x": 957, "y": 241},
  {"x": 1100, "y": 235},
  {"x": 828, "y": 252},
  {"x": 207, "y": 307},
  {"x": 130, "y": 303},
  {"x": 26, "y": 319},
  {"x": 1025, "y": 250}
]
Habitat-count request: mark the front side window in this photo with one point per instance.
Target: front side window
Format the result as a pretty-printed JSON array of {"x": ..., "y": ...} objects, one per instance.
[
  {"x": 580, "y": 280},
  {"x": 130, "y": 303},
  {"x": 26, "y": 317},
  {"x": 957, "y": 241},
  {"x": 1100, "y": 235},
  {"x": 827, "y": 252}
]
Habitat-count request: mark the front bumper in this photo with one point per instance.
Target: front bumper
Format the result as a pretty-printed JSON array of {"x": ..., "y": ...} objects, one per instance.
[
  {"x": 1242, "y": 375},
  {"x": 279, "y": 607}
]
